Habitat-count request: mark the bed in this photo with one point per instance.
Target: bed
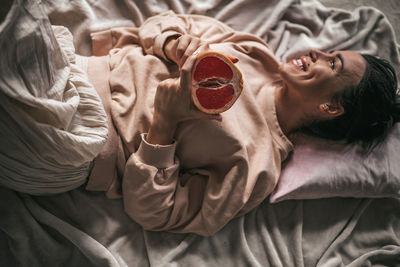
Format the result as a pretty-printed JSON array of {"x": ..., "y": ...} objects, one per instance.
[{"x": 333, "y": 206}]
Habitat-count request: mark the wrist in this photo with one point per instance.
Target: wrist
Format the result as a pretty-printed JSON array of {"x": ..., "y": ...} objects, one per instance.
[{"x": 161, "y": 132}]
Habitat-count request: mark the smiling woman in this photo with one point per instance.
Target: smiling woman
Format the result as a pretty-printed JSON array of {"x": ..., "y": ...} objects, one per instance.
[
  {"x": 339, "y": 95},
  {"x": 183, "y": 170},
  {"x": 371, "y": 106},
  {"x": 312, "y": 86}
]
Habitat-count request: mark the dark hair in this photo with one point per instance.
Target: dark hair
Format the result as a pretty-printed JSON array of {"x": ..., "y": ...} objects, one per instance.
[{"x": 370, "y": 108}]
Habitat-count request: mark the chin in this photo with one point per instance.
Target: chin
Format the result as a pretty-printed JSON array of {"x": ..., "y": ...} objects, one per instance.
[
  {"x": 286, "y": 73},
  {"x": 281, "y": 67}
]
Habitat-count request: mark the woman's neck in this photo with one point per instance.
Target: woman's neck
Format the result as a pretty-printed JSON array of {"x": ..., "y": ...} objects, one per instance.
[{"x": 288, "y": 111}]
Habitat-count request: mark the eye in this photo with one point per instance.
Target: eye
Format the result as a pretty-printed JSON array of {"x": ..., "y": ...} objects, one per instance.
[{"x": 332, "y": 61}]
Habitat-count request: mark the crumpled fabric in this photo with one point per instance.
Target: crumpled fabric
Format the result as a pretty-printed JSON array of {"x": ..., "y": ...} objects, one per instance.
[{"x": 52, "y": 121}]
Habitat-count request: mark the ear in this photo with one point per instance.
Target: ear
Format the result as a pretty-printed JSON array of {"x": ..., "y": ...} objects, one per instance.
[{"x": 331, "y": 109}]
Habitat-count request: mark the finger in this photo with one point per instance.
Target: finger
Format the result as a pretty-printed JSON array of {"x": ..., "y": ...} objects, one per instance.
[
  {"x": 183, "y": 43},
  {"x": 188, "y": 64},
  {"x": 167, "y": 82},
  {"x": 192, "y": 47},
  {"x": 233, "y": 59},
  {"x": 201, "y": 49},
  {"x": 201, "y": 115},
  {"x": 186, "y": 72}
]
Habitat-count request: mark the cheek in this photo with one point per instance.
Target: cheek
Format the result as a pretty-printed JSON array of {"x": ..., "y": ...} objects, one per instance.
[
  {"x": 319, "y": 82},
  {"x": 315, "y": 84},
  {"x": 295, "y": 79},
  {"x": 288, "y": 73}
]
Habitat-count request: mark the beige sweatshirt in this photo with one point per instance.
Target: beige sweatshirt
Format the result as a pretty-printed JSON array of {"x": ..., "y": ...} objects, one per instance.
[{"x": 215, "y": 170}]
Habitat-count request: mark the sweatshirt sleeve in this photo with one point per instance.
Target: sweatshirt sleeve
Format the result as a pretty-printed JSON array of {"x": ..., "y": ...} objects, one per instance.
[
  {"x": 159, "y": 196},
  {"x": 156, "y": 30}
]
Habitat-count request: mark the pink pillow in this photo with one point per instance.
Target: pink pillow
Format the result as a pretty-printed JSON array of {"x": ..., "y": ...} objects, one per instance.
[{"x": 319, "y": 168}]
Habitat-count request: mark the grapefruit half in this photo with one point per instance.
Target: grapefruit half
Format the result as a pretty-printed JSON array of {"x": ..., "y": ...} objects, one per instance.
[{"x": 216, "y": 83}]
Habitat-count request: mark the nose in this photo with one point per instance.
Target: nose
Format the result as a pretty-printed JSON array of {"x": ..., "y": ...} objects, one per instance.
[
  {"x": 313, "y": 54},
  {"x": 316, "y": 54}
]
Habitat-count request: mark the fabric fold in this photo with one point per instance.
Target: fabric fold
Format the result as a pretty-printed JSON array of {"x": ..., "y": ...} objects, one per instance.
[{"x": 52, "y": 121}]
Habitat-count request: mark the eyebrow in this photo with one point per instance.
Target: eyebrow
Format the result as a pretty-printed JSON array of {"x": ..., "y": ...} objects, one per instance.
[{"x": 340, "y": 57}]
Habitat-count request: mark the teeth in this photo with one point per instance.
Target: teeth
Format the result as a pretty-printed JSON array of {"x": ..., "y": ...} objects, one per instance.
[{"x": 300, "y": 63}]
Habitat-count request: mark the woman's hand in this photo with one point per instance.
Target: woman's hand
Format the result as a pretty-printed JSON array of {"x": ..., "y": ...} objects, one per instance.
[
  {"x": 172, "y": 105},
  {"x": 179, "y": 49}
]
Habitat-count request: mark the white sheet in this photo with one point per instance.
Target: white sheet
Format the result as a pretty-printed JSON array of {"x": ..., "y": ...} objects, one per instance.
[{"x": 52, "y": 121}]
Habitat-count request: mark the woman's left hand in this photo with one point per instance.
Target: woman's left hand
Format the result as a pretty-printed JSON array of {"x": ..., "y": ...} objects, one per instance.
[{"x": 172, "y": 105}]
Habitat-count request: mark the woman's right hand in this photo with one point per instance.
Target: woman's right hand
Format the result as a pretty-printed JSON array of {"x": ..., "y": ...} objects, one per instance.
[{"x": 172, "y": 105}]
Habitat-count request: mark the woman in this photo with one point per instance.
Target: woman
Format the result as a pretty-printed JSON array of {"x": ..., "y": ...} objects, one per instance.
[{"x": 183, "y": 171}]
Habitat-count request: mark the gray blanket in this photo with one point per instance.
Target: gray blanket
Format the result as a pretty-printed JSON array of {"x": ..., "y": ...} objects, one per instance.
[{"x": 81, "y": 228}]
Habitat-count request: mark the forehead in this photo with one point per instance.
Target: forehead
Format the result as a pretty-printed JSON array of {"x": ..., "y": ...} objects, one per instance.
[{"x": 354, "y": 65}]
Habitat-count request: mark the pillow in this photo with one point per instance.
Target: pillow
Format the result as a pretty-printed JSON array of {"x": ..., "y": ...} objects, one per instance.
[{"x": 319, "y": 168}]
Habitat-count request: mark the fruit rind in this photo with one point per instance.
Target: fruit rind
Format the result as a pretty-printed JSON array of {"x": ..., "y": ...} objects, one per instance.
[{"x": 236, "y": 82}]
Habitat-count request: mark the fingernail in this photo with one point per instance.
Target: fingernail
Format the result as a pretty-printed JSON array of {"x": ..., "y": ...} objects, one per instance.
[{"x": 234, "y": 59}]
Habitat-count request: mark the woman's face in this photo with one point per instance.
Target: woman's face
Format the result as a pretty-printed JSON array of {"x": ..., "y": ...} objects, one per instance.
[{"x": 317, "y": 77}]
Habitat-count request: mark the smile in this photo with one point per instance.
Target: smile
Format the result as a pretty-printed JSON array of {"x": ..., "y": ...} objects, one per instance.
[{"x": 300, "y": 63}]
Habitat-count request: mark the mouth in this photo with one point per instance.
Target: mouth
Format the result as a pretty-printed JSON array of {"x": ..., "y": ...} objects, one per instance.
[{"x": 300, "y": 63}]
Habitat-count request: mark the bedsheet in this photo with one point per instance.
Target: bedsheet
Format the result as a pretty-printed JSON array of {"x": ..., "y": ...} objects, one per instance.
[{"x": 81, "y": 228}]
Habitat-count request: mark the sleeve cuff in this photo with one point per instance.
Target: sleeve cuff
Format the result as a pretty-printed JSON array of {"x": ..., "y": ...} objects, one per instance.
[
  {"x": 160, "y": 42},
  {"x": 159, "y": 156}
]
